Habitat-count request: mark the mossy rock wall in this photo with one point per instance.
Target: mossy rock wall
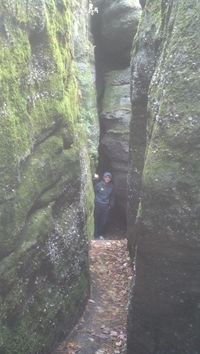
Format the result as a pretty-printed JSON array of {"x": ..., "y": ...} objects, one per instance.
[
  {"x": 46, "y": 197},
  {"x": 85, "y": 63},
  {"x": 164, "y": 179}
]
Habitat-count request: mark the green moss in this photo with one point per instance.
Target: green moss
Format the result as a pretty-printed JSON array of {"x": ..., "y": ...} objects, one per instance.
[
  {"x": 29, "y": 105},
  {"x": 41, "y": 137},
  {"x": 42, "y": 182},
  {"x": 88, "y": 108},
  {"x": 39, "y": 327},
  {"x": 171, "y": 173},
  {"x": 42, "y": 296},
  {"x": 118, "y": 131},
  {"x": 90, "y": 208},
  {"x": 150, "y": 24},
  {"x": 113, "y": 97}
]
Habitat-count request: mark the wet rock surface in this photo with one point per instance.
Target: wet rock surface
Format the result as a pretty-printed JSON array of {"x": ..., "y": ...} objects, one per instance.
[{"x": 163, "y": 181}]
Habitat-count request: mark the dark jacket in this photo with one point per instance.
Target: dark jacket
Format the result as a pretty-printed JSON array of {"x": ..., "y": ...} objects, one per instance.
[{"x": 104, "y": 194}]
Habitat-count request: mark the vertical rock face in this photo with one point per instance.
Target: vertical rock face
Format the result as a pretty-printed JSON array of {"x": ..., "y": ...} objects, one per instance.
[
  {"x": 115, "y": 119},
  {"x": 85, "y": 62},
  {"x": 88, "y": 115},
  {"x": 45, "y": 186},
  {"x": 164, "y": 313},
  {"x": 114, "y": 29}
]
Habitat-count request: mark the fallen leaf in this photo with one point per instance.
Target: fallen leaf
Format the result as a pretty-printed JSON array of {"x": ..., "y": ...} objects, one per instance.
[
  {"x": 92, "y": 301},
  {"x": 118, "y": 344}
]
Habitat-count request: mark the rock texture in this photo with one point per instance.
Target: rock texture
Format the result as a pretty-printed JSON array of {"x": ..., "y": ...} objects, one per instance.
[
  {"x": 46, "y": 197},
  {"x": 164, "y": 180},
  {"x": 114, "y": 29},
  {"x": 143, "y": 3},
  {"x": 85, "y": 62},
  {"x": 119, "y": 25},
  {"x": 115, "y": 119}
]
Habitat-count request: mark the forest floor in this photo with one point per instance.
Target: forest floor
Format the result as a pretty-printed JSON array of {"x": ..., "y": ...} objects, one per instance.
[{"x": 102, "y": 328}]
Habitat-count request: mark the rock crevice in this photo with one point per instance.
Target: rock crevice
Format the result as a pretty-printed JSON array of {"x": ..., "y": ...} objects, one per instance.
[{"x": 114, "y": 27}]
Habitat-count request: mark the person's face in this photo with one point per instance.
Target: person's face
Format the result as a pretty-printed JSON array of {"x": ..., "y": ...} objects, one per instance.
[{"x": 107, "y": 179}]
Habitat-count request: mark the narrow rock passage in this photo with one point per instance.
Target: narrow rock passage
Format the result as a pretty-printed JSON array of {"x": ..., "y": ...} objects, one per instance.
[{"x": 102, "y": 329}]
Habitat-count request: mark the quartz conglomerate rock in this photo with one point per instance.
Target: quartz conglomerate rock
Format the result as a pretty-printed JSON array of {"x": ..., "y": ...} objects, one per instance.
[
  {"x": 164, "y": 181},
  {"x": 46, "y": 198}
]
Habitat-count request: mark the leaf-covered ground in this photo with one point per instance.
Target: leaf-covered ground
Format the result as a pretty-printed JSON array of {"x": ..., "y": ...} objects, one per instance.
[{"x": 102, "y": 329}]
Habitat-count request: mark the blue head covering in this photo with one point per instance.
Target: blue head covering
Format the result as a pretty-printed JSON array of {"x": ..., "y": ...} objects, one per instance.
[{"x": 107, "y": 174}]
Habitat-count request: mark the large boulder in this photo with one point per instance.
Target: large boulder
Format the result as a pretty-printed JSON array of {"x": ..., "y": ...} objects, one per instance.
[
  {"x": 119, "y": 24},
  {"x": 164, "y": 230},
  {"x": 46, "y": 196}
]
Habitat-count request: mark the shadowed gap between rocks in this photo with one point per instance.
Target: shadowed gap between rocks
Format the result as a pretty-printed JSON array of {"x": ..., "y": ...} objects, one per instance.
[{"x": 113, "y": 30}]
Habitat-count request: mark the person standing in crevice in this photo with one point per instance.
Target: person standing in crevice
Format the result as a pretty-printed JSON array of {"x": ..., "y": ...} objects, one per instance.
[{"x": 104, "y": 201}]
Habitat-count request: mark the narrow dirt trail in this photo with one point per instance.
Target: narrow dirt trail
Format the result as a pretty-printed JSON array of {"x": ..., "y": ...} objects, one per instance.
[{"x": 102, "y": 329}]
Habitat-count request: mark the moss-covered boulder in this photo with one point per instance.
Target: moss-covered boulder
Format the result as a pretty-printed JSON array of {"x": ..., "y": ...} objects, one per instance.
[
  {"x": 46, "y": 197},
  {"x": 164, "y": 180}
]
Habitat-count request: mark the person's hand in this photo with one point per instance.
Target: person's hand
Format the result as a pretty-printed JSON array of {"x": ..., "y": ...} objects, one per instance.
[{"x": 96, "y": 176}]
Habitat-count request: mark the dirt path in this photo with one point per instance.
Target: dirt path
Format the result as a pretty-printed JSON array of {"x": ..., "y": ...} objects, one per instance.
[{"x": 102, "y": 329}]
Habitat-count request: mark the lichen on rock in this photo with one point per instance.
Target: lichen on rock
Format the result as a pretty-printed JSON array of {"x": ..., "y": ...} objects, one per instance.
[
  {"x": 164, "y": 180},
  {"x": 45, "y": 213}
]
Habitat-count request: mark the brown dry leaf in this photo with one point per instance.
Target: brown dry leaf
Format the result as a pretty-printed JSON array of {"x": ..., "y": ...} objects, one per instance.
[
  {"x": 118, "y": 344},
  {"x": 72, "y": 348},
  {"x": 104, "y": 322}
]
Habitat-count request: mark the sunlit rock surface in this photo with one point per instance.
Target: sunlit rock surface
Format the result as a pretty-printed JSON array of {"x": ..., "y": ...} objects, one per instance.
[
  {"x": 46, "y": 197},
  {"x": 164, "y": 202}
]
